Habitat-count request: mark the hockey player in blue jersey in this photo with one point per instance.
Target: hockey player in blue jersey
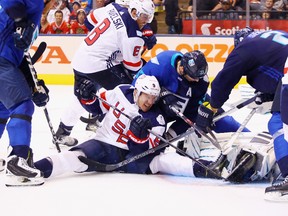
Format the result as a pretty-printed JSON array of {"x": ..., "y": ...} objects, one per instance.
[
  {"x": 185, "y": 86},
  {"x": 260, "y": 56},
  {"x": 18, "y": 24},
  {"x": 278, "y": 127}
]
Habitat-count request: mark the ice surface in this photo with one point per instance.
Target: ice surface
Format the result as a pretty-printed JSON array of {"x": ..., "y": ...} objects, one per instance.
[{"x": 127, "y": 194}]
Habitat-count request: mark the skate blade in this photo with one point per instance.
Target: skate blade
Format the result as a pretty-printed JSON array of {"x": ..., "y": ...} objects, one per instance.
[
  {"x": 276, "y": 196},
  {"x": 21, "y": 181}
]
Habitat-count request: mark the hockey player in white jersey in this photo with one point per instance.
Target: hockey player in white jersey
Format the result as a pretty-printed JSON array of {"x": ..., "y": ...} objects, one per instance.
[
  {"x": 119, "y": 138},
  {"x": 109, "y": 55}
]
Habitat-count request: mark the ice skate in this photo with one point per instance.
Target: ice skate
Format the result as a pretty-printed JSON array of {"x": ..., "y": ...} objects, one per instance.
[
  {"x": 20, "y": 172},
  {"x": 64, "y": 139},
  {"x": 93, "y": 122},
  {"x": 93, "y": 126},
  {"x": 278, "y": 191}
]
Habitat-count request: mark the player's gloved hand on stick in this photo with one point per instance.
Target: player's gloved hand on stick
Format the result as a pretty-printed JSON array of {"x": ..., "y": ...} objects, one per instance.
[
  {"x": 41, "y": 96},
  {"x": 87, "y": 91},
  {"x": 166, "y": 101},
  {"x": 204, "y": 118},
  {"x": 263, "y": 97},
  {"x": 149, "y": 38},
  {"x": 23, "y": 35},
  {"x": 138, "y": 130}
]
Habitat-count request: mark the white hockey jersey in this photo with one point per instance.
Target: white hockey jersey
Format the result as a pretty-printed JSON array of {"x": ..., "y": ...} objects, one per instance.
[
  {"x": 116, "y": 125},
  {"x": 115, "y": 38}
]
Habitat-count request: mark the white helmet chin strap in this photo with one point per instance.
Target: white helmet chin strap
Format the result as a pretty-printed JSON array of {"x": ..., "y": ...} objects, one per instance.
[{"x": 136, "y": 95}]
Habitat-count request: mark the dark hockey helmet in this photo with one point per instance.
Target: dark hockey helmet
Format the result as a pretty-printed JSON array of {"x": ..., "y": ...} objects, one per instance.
[
  {"x": 195, "y": 64},
  {"x": 241, "y": 34}
]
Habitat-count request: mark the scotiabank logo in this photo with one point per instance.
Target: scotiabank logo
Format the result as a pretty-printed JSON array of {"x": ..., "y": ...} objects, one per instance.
[
  {"x": 205, "y": 29},
  {"x": 231, "y": 31}
]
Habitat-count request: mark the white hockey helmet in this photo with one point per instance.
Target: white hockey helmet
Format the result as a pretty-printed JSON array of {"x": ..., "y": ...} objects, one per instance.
[
  {"x": 148, "y": 85},
  {"x": 144, "y": 7}
]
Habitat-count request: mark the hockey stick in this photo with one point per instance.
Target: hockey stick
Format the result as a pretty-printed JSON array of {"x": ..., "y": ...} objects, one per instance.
[
  {"x": 100, "y": 167},
  {"x": 189, "y": 122},
  {"x": 238, "y": 132},
  {"x": 237, "y": 107},
  {"x": 226, "y": 173},
  {"x": 35, "y": 79},
  {"x": 156, "y": 135},
  {"x": 90, "y": 120},
  {"x": 40, "y": 50}
]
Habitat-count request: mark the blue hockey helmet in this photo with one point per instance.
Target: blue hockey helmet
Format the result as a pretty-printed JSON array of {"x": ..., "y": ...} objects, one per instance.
[
  {"x": 195, "y": 64},
  {"x": 241, "y": 34}
]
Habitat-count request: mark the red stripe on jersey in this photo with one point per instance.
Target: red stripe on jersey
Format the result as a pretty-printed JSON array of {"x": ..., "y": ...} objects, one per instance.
[
  {"x": 154, "y": 142},
  {"x": 285, "y": 70},
  {"x": 103, "y": 96},
  {"x": 138, "y": 64},
  {"x": 93, "y": 18}
]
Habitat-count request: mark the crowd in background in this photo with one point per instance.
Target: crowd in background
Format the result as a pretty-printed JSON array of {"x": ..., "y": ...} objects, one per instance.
[
  {"x": 68, "y": 16},
  {"x": 235, "y": 9}
]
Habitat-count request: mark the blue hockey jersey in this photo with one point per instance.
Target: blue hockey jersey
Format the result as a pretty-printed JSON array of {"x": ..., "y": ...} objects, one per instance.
[
  {"x": 190, "y": 94},
  {"x": 260, "y": 57},
  {"x": 32, "y": 11}
]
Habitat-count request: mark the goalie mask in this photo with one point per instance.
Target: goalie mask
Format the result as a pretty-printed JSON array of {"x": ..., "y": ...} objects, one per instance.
[
  {"x": 194, "y": 64},
  {"x": 148, "y": 85},
  {"x": 241, "y": 34},
  {"x": 145, "y": 9}
]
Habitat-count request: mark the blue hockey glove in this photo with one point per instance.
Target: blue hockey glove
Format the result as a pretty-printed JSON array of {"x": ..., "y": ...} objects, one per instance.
[
  {"x": 204, "y": 118},
  {"x": 138, "y": 130},
  {"x": 23, "y": 35},
  {"x": 263, "y": 97},
  {"x": 87, "y": 91},
  {"x": 149, "y": 38},
  {"x": 41, "y": 97}
]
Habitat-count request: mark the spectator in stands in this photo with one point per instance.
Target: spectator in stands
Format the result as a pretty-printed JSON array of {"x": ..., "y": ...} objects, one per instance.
[
  {"x": 268, "y": 11},
  {"x": 238, "y": 5},
  {"x": 255, "y": 6},
  {"x": 98, "y": 4},
  {"x": 285, "y": 9},
  {"x": 45, "y": 26},
  {"x": 73, "y": 15},
  {"x": 59, "y": 5},
  {"x": 87, "y": 5},
  {"x": 78, "y": 26},
  {"x": 226, "y": 11},
  {"x": 203, "y": 7},
  {"x": 278, "y": 4},
  {"x": 59, "y": 26},
  {"x": 171, "y": 10}
]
